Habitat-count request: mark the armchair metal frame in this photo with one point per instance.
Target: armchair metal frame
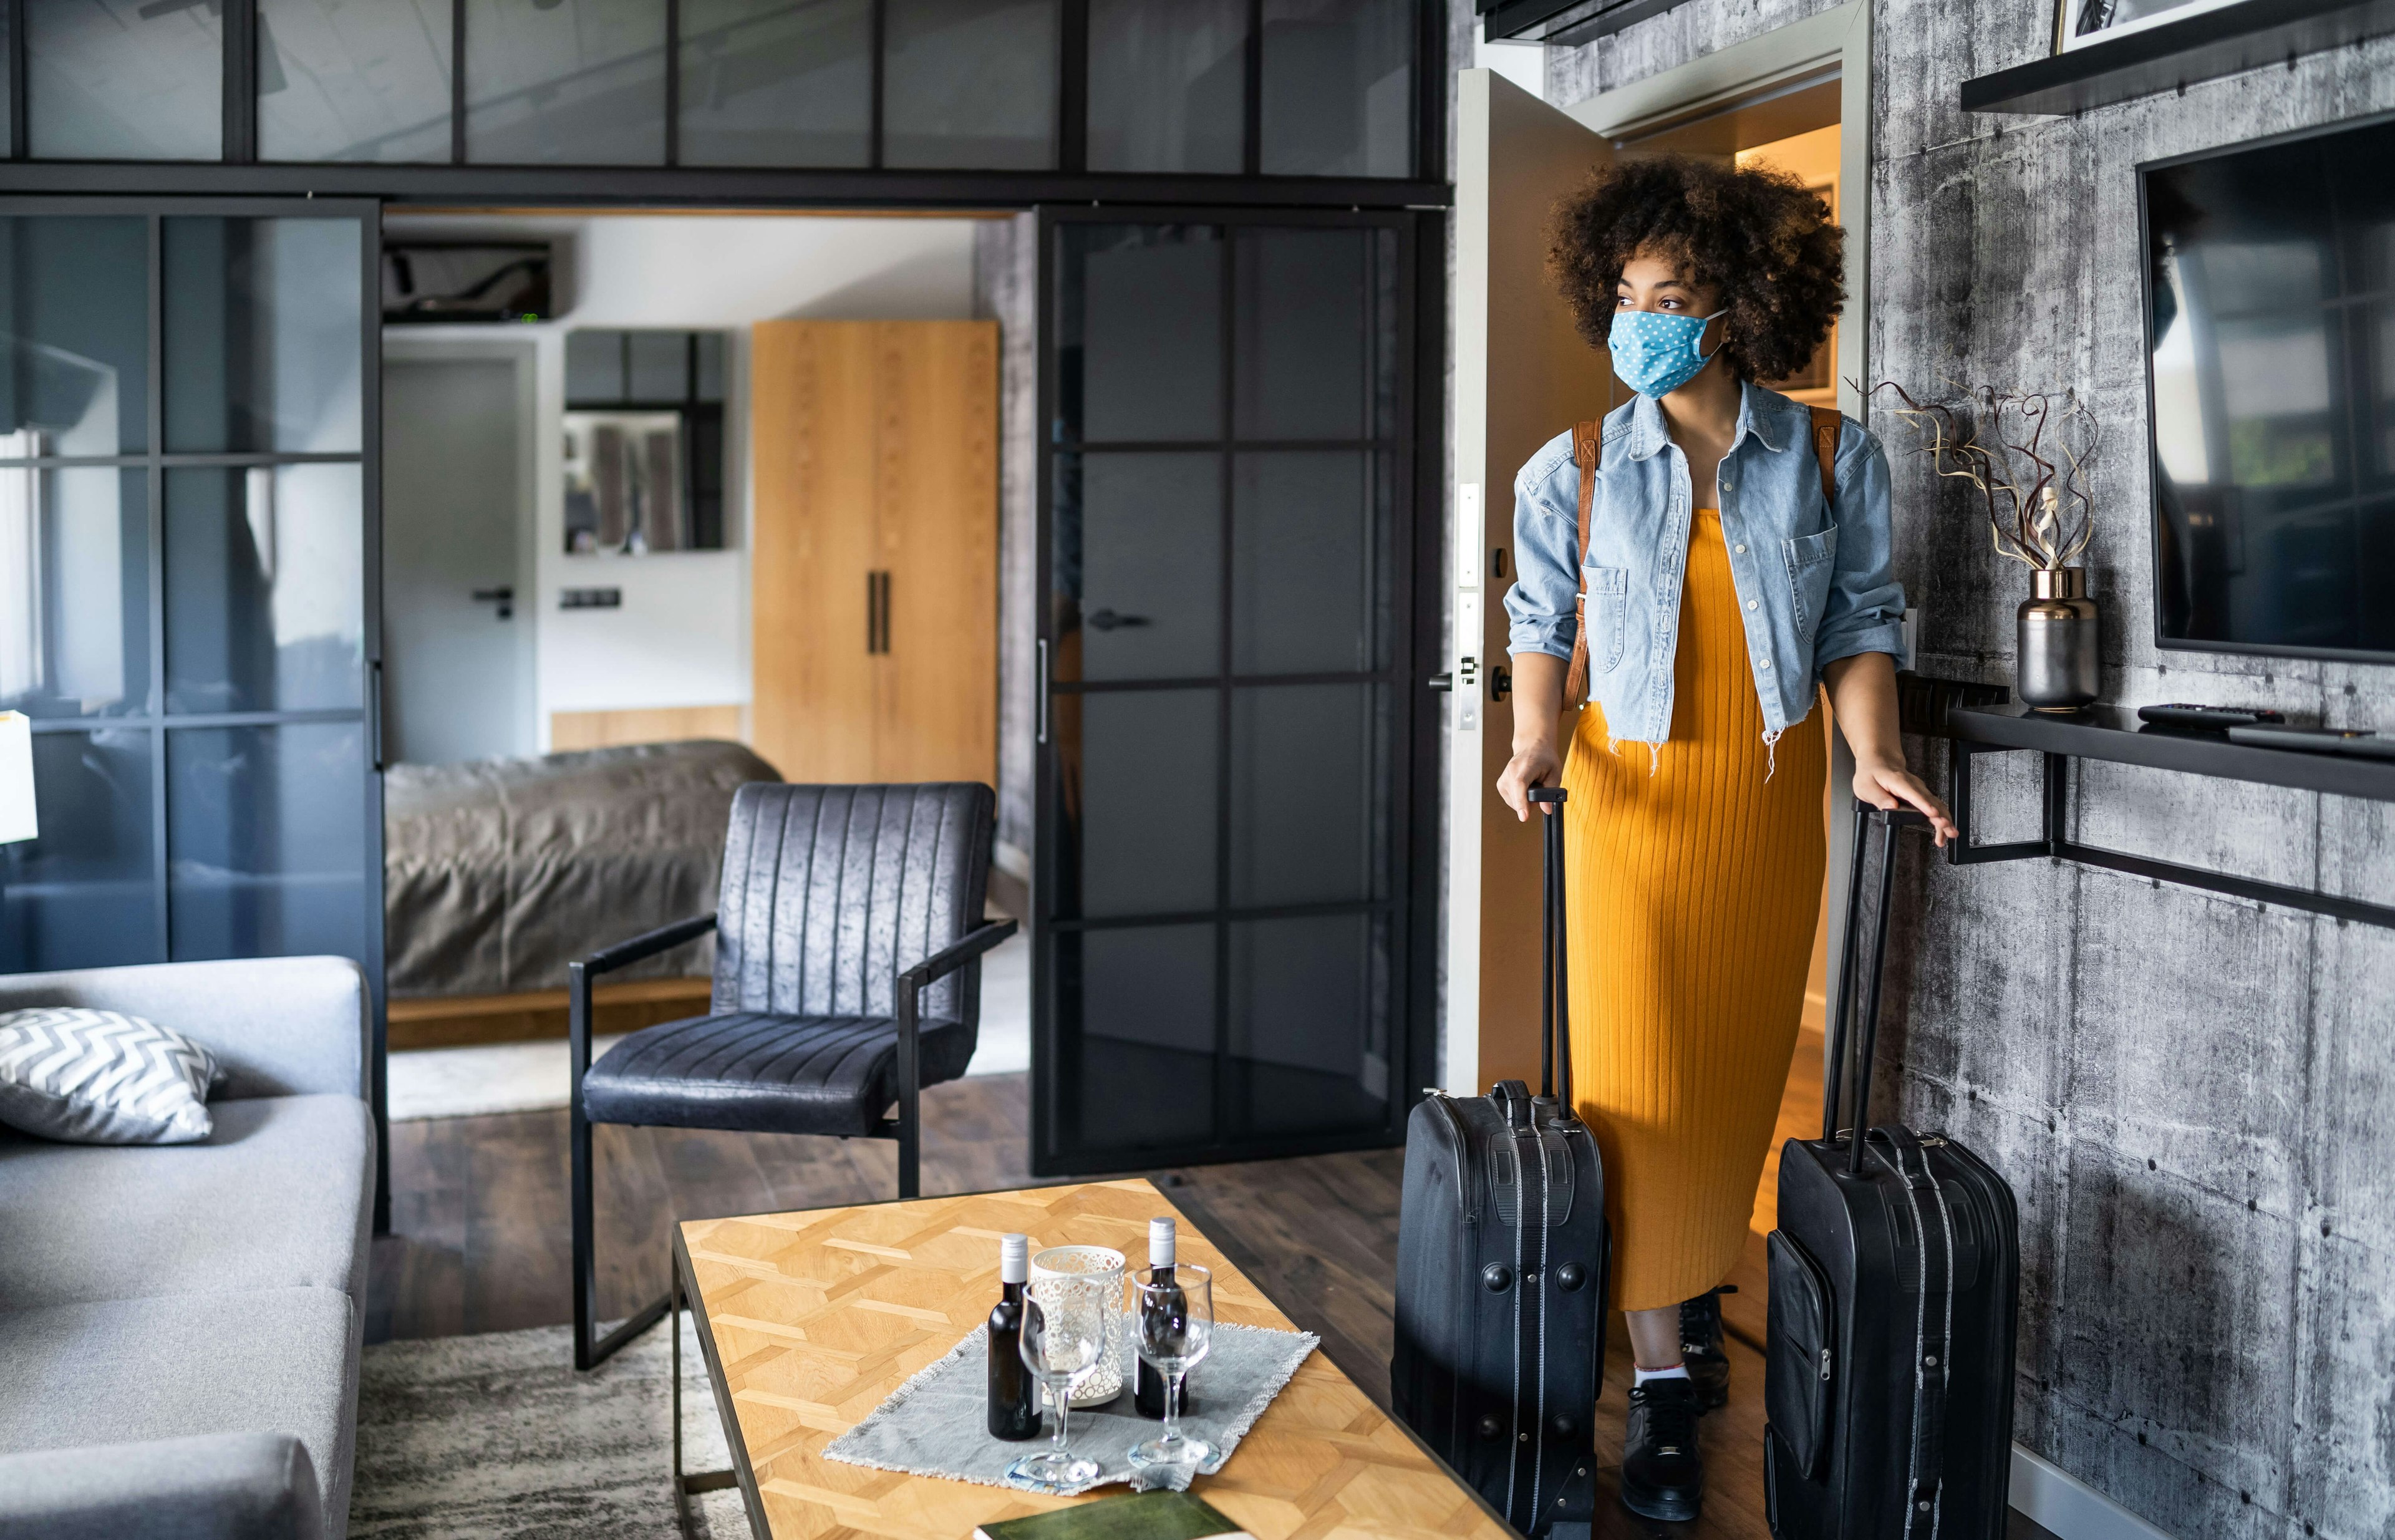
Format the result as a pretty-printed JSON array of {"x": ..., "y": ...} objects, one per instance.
[{"x": 906, "y": 1128}]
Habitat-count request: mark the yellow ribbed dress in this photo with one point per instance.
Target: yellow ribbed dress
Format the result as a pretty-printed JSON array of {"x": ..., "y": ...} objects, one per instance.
[{"x": 1694, "y": 891}]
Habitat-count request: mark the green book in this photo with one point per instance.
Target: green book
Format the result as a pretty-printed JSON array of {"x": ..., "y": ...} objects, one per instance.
[{"x": 1148, "y": 1516}]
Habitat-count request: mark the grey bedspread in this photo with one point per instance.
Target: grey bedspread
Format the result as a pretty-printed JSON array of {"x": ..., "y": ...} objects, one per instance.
[{"x": 498, "y": 872}]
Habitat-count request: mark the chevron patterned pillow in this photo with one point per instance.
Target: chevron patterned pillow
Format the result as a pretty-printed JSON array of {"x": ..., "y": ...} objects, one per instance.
[{"x": 97, "y": 1077}]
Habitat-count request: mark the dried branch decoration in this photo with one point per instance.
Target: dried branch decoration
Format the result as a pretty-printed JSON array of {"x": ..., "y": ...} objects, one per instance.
[{"x": 2027, "y": 453}]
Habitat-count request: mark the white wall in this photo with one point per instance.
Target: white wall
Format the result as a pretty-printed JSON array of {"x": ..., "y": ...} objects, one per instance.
[{"x": 682, "y": 636}]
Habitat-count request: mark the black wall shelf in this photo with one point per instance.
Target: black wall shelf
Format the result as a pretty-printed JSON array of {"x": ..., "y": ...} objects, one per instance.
[
  {"x": 2117, "y": 737},
  {"x": 2177, "y": 54}
]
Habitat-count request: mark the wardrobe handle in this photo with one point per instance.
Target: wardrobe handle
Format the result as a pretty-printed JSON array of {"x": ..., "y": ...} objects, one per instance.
[
  {"x": 877, "y": 612},
  {"x": 1040, "y": 693}
]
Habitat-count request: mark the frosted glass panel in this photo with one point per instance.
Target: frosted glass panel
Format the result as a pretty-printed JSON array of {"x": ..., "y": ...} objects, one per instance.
[
  {"x": 1140, "y": 324},
  {"x": 84, "y": 895},
  {"x": 353, "y": 80},
  {"x": 1137, "y": 1006},
  {"x": 124, "y": 80},
  {"x": 1293, "y": 840},
  {"x": 970, "y": 84},
  {"x": 1139, "y": 800},
  {"x": 1309, "y": 562},
  {"x": 776, "y": 82},
  {"x": 572, "y": 83},
  {"x": 1316, "y": 334},
  {"x": 1309, "y": 1023},
  {"x": 1338, "y": 87},
  {"x": 267, "y": 840},
  {"x": 1167, "y": 84},
  {"x": 77, "y": 334},
  {"x": 265, "y": 584},
  {"x": 1144, "y": 534},
  {"x": 74, "y": 591},
  {"x": 263, "y": 344}
]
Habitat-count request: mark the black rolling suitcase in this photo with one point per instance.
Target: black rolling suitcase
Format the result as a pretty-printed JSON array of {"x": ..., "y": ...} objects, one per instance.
[
  {"x": 1888, "y": 1384},
  {"x": 1502, "y": 1264}
]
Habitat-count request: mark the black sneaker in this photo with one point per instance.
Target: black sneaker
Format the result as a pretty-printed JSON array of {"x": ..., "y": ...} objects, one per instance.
[
  {"x": 1662, "y": 1474},
  {"x": 1701, "y": 1347}
]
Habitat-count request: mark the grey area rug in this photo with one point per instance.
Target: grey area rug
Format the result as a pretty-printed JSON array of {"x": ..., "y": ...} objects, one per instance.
[{"x": 495, "y": 1436}]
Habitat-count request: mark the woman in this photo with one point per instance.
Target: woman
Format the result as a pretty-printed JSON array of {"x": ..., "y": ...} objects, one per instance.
[{"x": 1722, "y": 592}]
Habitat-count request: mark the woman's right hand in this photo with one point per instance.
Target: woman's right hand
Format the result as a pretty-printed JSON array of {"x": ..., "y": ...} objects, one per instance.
[{"x": 1532, "y": 765}]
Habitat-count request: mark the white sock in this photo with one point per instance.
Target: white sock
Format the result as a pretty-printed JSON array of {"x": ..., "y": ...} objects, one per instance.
[{"x": 1677, "y": 1370}]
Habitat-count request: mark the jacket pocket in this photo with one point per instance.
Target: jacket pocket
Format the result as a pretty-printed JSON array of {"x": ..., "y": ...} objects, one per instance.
[
  {"x": 1796, "y": 1371},
  {"x": 1606, "y": 615},
  {"x": 1811, "y": 560}
]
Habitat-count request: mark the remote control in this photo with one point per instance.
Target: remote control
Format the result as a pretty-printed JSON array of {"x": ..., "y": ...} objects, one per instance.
[
  {"x": 2318, "y": 740},
  {"x": 2181, "y": 714}
]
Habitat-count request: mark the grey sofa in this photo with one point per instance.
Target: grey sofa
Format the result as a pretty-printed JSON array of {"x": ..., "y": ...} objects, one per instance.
[{"x": 180, "y": 1324}]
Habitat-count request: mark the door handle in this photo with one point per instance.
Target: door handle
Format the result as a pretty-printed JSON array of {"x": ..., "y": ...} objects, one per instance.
[
  {"x": 1039, "y": 697},
  {"x": 1441, "y": 682},
  {"x": 1106, "y": 619},
  {"x": 505, "y": 597}
]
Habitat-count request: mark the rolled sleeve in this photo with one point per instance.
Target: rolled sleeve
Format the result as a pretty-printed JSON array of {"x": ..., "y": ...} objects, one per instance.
[
  {"x": 1542, "y": 608},
  {"x": 1865, "y": 609}
]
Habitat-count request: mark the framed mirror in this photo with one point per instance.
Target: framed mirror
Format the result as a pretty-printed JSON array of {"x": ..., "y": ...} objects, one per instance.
[{"x": 643, "y": 442}]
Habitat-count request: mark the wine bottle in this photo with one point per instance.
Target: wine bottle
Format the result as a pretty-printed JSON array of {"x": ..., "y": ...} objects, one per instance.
[
  {"x": 1147, "y": 1389},
  {"x": 1013, "y": 1394}
]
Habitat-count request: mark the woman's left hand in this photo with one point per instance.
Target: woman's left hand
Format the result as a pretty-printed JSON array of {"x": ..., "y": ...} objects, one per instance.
[{"x": 1889, "y": 786}]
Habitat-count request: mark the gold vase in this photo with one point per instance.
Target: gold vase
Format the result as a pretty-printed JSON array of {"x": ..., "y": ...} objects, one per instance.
[{"x": 2056, "y": 668}]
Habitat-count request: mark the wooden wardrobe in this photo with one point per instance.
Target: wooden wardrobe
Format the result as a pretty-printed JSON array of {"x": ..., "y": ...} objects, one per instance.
[{"x": 873, "y": 549}]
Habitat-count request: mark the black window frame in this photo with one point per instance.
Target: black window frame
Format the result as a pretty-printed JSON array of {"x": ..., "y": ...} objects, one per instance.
[
  {"x": 1417, "y": 445},
  {"x": 157, "y": 719},
  {"x": 240, "y": 171}
]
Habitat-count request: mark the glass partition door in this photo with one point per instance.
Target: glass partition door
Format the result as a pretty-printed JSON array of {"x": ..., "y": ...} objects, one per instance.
[
  {"x": 1222, "y": 871},
  {"x": 188, "y": 411}
]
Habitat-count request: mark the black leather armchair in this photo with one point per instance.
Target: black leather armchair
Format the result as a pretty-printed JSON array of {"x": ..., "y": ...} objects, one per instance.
[{"x": 847, "y": 941}]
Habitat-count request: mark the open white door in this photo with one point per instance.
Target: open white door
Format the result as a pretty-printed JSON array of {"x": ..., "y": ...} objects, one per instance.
[{"x": 1522, "y": 375}]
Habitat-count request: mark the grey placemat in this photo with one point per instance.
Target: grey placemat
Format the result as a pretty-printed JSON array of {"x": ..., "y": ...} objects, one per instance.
[{"x": 937, "y": 1423}]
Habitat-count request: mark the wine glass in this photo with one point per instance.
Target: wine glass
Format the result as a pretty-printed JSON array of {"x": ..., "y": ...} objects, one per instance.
[
  {"x": 1176, "y": 1307},
  {"x": 1062, "y": 1339}
]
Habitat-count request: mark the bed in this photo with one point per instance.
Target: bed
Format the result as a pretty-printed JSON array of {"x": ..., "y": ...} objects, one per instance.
[{"x": 498, "y": 872}]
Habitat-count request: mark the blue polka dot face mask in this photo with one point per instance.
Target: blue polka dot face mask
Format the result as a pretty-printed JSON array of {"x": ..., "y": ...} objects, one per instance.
[{"x": 1656, "y": 352}]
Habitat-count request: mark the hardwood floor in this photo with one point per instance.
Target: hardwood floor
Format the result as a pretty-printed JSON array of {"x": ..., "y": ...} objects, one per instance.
[{"x": 480, "y": 1241}]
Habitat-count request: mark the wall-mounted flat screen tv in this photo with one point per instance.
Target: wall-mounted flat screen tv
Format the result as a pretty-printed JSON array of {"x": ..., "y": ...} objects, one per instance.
[{"x": 2271, "y": 373}]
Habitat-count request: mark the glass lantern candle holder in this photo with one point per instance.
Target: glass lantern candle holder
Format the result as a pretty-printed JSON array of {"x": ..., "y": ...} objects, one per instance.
[{"x": 1095, "y": 1273}]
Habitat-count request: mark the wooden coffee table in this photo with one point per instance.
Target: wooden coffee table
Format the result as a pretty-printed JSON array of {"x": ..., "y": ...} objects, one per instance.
[{"x": 809, "y": 1320}]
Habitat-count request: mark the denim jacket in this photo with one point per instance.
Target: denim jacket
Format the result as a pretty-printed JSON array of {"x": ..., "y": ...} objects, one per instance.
[{"x": 1813, "y": 582}]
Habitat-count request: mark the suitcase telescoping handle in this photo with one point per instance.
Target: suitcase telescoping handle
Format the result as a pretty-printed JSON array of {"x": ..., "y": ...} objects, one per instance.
[
  {"x": 1555, "y": 994},
  {"x": 1889, "y": 820}
]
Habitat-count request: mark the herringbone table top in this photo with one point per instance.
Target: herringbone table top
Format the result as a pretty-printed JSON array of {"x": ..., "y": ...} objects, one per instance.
[{"x": 811, "y": 1319}]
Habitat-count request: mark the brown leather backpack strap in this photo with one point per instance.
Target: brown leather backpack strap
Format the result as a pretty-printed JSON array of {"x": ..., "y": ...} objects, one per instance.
[
  {"x": 1586, "y": 440},
  {"x": 1826, "y": 424}
]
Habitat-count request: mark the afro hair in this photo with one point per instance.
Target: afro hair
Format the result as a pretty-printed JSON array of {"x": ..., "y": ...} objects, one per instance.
[{"x": 1756, "y": 236}]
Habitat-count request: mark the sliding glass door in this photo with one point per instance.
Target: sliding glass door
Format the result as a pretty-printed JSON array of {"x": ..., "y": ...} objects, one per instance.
[
  {"x": 1223, "y": 881},
  {"x": 188, "y": 416}
]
